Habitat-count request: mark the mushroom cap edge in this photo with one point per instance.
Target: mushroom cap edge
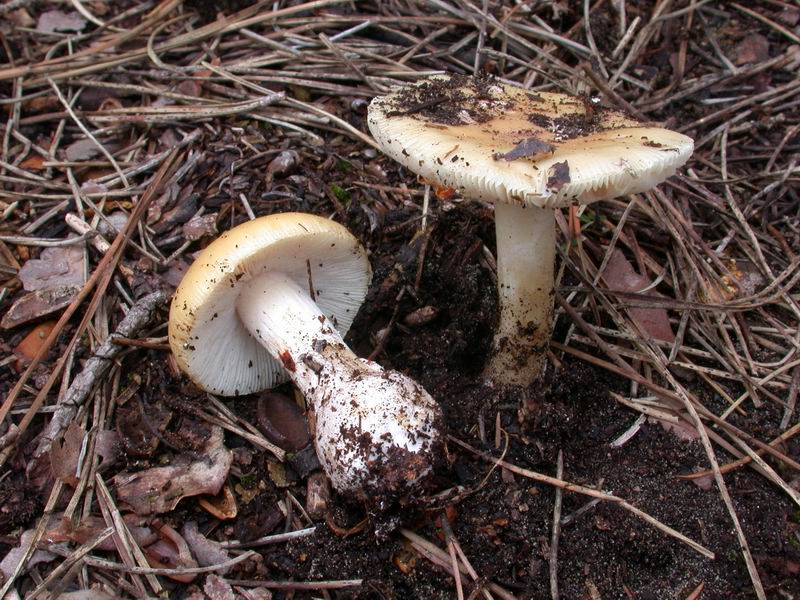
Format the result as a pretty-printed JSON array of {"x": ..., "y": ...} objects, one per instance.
[
  {"x": 209, "y": 343},
  {"x": 621, "y": 157}
]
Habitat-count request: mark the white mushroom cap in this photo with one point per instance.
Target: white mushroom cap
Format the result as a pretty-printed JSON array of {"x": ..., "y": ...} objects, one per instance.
[
  {"x": 496, "y": 142},
  {"x": 207, "y": 338}
]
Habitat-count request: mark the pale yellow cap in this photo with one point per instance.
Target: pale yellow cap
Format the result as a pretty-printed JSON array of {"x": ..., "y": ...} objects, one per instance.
[
  {"x": 500, "y": 143},
  {"x": 208, "y": 340}
]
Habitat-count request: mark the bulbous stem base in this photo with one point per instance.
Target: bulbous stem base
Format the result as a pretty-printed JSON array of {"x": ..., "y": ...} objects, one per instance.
[{"x": 378, "y": 432}]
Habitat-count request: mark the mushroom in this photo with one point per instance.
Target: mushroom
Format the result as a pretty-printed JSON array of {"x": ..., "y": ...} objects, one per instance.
[
  {"x": 528, "y": 153},
  {"x": 270, "y": 300}
]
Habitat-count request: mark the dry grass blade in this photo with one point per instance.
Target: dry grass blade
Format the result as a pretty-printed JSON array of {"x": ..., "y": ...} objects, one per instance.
[
  {"x": 556, "y": 530},
  {"x": 440, "y": 558},
  {"x": 70, "y": 562},
  {"x": 129, "y": 551},
  {"x": 342, "y": 584},
  {"x": 179, "y": 571},
  {"x": 100, "y": 278}
]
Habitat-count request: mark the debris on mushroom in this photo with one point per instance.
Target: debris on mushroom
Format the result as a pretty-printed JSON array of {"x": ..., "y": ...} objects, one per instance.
[
  {"x": 528, "y": 153},
  {"x": 269, "y": 301}
]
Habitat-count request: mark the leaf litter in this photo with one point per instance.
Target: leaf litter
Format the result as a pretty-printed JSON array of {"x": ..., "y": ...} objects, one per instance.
[
  {"x": 714, "y": 288},
  {"x": 159, "y": 489}
]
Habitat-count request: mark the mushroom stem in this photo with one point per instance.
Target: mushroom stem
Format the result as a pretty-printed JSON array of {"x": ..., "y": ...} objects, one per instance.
[
  {"x": 377, "y": 431},
  {"x": 525, "y": 269},
  {"x": 289, "y": 324}
]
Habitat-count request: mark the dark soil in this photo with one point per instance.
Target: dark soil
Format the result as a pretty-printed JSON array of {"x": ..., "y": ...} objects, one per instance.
[
  {"x": 505, "y": 526},
  {"x": 504, "y": 523}
]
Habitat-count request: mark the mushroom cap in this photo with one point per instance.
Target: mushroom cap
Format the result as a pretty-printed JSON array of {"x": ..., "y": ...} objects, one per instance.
[
  {"x": 500, "y": 143},
  {"x": 208, "y": 340}
]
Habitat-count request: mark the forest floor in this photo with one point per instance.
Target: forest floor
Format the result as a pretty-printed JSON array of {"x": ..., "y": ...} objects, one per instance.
[{"x": 133, "y": 133}]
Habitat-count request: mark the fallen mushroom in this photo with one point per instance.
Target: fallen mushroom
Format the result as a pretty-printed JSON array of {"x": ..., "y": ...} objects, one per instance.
[
  {"x": 270, "y": 300},
  {"x": 528, "y": 153}
]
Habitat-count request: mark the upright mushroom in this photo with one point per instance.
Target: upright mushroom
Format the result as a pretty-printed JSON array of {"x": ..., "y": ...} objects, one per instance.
[
  {"x": 528, "y": 153},
  {"x": 270, "y": 300}
]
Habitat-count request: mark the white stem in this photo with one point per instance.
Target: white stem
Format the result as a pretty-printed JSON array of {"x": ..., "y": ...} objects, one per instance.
[
  {"x": 290, "y": 325},
  {"x": 526, "y": 243},
  {"x": 377, "y": 431}
]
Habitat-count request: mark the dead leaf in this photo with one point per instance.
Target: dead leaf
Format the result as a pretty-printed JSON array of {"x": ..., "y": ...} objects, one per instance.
[
  {"x": 222, "y": 506},
  {"x": 206, "y": 551},
  {"x": 525, "y": 149},
  {"x": 443, "y": 192},
  {"x": 189, "y": 87},
  {"x": 55, "y": 20},
  {"x": 282, "y": 421},
  {"x": 34, "y": 163},
  {"x": 318, "y": 495},
  {"x": 65, "y": 454},
  {"x": 38, "y": 304},
  {"x": 99, "y": 7},
  {"x": 744, "y": 280},
  {"x": 182, "y": 212},
  {"x": 752, "y": 49},
  {"x": 137, "y": 437},
  {"x": 200, "y": 226},
  {"x": 277, "y": 473},
  {"x": 90, "y": 594},
  {"x": 284, "y": 164},
  {"x": 705, "y": 483},
  {"x": 92, "y": 187},
  {"x": 110, "y": 103},
  {"x": 114, "y": 223},
  {"x": 106, "y": 445},
  {"x": 42, "y": 104},
  {"x": 58, "y": 266},
  {"x": 177, "y": 269},
  {"x": 20, "y": 18},
  {"x": 165, "y": 200},
  {"x": 9, "y": 563},
  {"x": 171, "y": 552},
  {"x": 217, "y": 589},
  {"x": 29, "y": 346},
  {"x": 558, "y": 175},
  {"x": 259, "y": 593},
  {"x": 681, "y": 429},
  {"x": 621, "y": 277},
  {"x": 91, "y": 525},
  {"x": 79, "y": 150},
  {"x": 159, "y": 489}
]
